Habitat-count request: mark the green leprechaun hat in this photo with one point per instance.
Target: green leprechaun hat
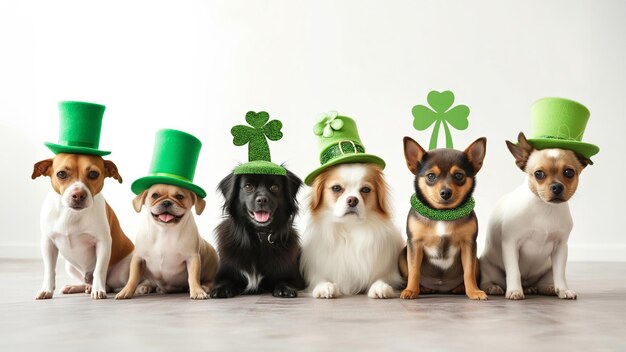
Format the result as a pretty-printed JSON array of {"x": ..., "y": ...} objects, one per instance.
[
  {"x": 79, "y": 128},
  {"x": 174, "y": 162},
  {"x": 259, "y": 157},
  {"x": 339, "y": 143},
  {"x": 560, "y": 123}
]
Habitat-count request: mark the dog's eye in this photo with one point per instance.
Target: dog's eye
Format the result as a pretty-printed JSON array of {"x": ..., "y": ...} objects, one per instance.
[
  {"x": 155, "y": 196},
  {"x": 366, "y": 190},
  {"x": 540, "y": 175},
  {"x": 431, "y": 177},
  {"x": 459, "y": 176},
  {"x": 248, "y": 188},
  {"x": 93, "y": 175},
  {"x": 569, "y": 173},
  {"x": 336, "y": 188},
  {"x": 179, "y": 197},
  {"x": 274, "y": 189},
  {"x": 62, "y": 175}
]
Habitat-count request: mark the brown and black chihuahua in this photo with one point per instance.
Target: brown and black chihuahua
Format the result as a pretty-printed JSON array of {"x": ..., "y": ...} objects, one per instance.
[{"x": 440, "y": 256}]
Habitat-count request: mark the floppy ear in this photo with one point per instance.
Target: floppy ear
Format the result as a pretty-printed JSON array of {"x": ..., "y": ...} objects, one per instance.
[
  {"x": 382, "y": 190},
  {"x": 521, "y": 151},
  {"x": 227, "y": 188},
  {"x": 139, "y": 200},
  {"x": 317, "y": 192},
  {"x": 584, "y": 161},
  {"x": 293, "y": 186},
  {"x": 413, "y": 153},
  {"x": 42, "y": 168},
  {"x": 476, "y": 153},
  {"x": 198, "y": 203},
  {"x": 111, "y": 170}
]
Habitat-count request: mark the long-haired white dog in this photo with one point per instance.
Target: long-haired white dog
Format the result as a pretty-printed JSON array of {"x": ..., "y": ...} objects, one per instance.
[{"x": 350, "y": 243}]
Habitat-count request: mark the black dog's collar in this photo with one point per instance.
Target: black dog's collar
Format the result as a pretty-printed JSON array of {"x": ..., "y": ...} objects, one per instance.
[{"x": 261, "y": 236}]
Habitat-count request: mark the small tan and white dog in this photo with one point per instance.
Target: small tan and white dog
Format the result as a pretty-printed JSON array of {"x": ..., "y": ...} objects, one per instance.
[
  {"x": 170, "y": 254},
  {"x": 77, "y": 221},
  {"x": 528, "y": 230},
  {"x": 351, "y": 244}
]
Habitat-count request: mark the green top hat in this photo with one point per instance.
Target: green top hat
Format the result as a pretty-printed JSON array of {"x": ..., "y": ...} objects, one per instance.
[
  {"x": 259, "y": 158},
  {"x": 173, "y": 162},
  {"x": 339, "y": 143},
  {"x": 79, "y": 128},
  {"x": 560, "y": 123}
]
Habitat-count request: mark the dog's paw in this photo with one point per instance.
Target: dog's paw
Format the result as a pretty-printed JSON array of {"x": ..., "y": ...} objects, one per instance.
[
  {"x": 566, "y": 294},
  {"x": 380, "y": 289},
  {"x": 547, "y": 290},
  {"x": 223, "y": 292},
  {"x": 284, "y": 291},
  {"x": 124, "y": 294},
  {"x": 325, "y": 290},
  {"x": 44, "y": 295},
  {"x": 98, "y": 294},
  {"x": 532, "y": 290},
  {"x": 477, "y": 295},
  {"x": 409, "y": 294},
  {"x": 495, "y": 290},
  {"x": 69, "y": 289},
  {"x": 515, "y": 295},
  {"x": 143, "y": 289},
  {"x": 198, "y": 293}
]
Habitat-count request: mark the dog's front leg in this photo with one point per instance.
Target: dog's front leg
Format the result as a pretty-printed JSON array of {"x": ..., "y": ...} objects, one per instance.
[
  {"x": 137, "y": 268},
  {"x": 414, "y": 256},
  {"x": 468, "y": 260},
  {"x": 194, "y": 265},
  {"x": 103, "y": 256},
  {"x": 510, "y": 257},
  {"x": 559, "y": 261},
  {"x": 50, "y": 253}
]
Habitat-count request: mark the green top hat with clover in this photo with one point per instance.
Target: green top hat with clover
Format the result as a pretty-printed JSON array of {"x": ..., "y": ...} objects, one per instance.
[
  {"x": 79, "y": 129},
  {"x": 339, "y": 143},
  {"x": 259, "y": 157},
  {"x": 174, "y": 162},
  {"x": 560, "y": 123}
]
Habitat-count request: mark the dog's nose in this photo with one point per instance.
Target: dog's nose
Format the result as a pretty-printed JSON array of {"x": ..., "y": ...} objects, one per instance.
[
  {"x": 352, "y": 201},
  {"x": 167, "y": 203},
  {"x": 556, "y": 188},
  {"x": 445, "y": 193},
  {"x": 261, "y": 200},
  {"x": 79, "y": 195}
]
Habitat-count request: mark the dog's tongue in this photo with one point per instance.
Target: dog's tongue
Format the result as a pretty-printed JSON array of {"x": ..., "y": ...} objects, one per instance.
[
  {"x": 261, "y": 216},
  {"x": 165, "y": 217}
]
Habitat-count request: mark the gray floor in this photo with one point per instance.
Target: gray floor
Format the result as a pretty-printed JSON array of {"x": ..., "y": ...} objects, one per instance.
[{"x": 595, "y": 322}]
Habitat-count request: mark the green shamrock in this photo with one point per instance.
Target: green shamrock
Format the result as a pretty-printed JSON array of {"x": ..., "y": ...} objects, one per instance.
[
  {"x": 439, "y": 114},
  {"x": 258, "y": 149}
]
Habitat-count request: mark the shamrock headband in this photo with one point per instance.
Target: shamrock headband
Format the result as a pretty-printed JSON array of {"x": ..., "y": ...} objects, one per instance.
[
  {"x": 440, "y": 114},
  {"x": 259, "y": 158}
]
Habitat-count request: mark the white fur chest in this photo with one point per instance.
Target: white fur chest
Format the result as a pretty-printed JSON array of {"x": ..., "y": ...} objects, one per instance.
[{"x": 443, "y": 254}]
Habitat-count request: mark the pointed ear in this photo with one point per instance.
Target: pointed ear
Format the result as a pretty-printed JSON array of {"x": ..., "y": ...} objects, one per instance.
[
  {"x": 111, "y": 170},
  {"x": 476, "y": 153},
  {"x": 584, "y": 161},
  {"x": 139, "y": 200},
  {"x": 413, "y": 154},
  {"x": 42, "y": 168},
  {"x": 520, "y": 151},
  {"x": 198, "y": 203}
]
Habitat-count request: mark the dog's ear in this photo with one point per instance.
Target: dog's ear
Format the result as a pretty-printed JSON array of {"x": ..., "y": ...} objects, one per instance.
[
  {"x": 476, "y": 153},
  {"x": 318, "y": 191},
  {"x": 198, "y": 203},
  {"x": 520, "y": 151},
  {"x": 139, "y": 200},
  {"x": 584, "y": 161},
  {"x": 111, "y": 170},
  {"x": 293, "y": 185},
  {"x": 382, "y": 191},
  {"x": 227, "y": 188},
  {"x": 413, "y": 153},
  {"x": 42, "y": 168}
]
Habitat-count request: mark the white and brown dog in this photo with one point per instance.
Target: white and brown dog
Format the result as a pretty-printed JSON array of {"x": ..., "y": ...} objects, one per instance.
[
  {"x": 351, "y": 244},
  {"x": 77, "y": 221},
  {"x": 528, "y": 230},
  {"x": 171, "y": 256}
]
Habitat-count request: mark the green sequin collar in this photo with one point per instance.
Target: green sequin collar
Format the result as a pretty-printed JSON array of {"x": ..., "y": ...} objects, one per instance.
[{"x": 444, "y": 214}]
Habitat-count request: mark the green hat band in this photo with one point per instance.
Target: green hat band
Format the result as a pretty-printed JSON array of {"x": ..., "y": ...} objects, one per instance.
[
  {"x": 341, "y": 148},
  {"x": 79, "y": 144}
]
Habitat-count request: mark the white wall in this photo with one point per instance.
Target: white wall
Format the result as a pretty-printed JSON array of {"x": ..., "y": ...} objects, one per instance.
[{"x": 199, "y": 66}]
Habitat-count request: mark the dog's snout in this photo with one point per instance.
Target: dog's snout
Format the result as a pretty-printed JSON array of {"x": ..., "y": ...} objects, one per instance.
[
  {"x": 79, "y": 195},
  {"x": 556, "y": 188},
  {"x": 445, "y": 193},
  {"x": 261, "y": 200},
  {"x": 352, "y": 201},
  {"x": 167, "y": 203}
]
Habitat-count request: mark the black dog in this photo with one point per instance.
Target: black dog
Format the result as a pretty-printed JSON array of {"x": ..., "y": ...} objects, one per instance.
[{"x": 258, "y": 245}]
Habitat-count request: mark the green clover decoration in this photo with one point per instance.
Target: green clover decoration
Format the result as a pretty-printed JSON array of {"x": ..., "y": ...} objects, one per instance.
[
  {"x": 440, "y": 114},
  {"x": 327, "y": 124},
  {"x": 255, "y": 136}
]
